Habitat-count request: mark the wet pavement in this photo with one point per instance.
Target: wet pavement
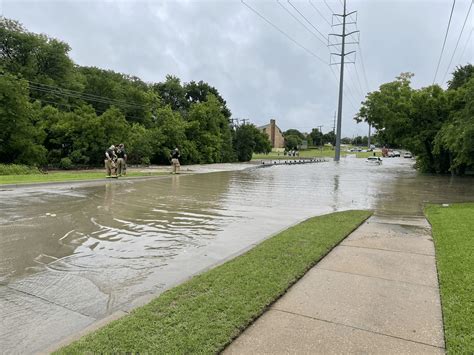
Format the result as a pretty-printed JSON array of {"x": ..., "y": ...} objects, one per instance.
[
  {"x": 375, "y": 293},
  {"x": 73, "y": 254}
]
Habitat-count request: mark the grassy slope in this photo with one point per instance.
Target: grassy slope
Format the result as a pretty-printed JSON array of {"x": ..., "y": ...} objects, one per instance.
[
  {"x": 62, "y": 176},
  {"x": 453, "y": 233},
  {"x": 204, "y": 314}
]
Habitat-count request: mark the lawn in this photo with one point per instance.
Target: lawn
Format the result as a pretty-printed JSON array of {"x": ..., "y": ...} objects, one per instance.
[
  {"x": 453, "y": 233},
  {"x": 60, "y": 176},
  {"x": 206, "y": 313}
]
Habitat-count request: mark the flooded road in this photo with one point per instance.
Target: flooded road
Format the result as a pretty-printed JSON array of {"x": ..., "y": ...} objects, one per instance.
[{"x": 72, "y": 254}]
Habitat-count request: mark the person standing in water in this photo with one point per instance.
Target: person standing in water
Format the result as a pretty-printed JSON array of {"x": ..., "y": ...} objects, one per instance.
[
  {"x": 121, "y": 160},
  {"x": 110, "y": 160},
  {"x": 175, "y": 161}
]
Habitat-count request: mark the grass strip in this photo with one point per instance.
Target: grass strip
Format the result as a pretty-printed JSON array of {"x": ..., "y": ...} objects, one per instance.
[
  {"x": 204, "y": 314},
  {"x": 61, "y": 176},
  {"x": 453, "y": 233}
]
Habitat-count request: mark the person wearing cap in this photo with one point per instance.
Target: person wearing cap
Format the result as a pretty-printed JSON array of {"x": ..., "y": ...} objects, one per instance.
[
  {"x": 175, "y": 161},
  {"x": 110, "y": 157},
  {"x": 121, "y": 160}
]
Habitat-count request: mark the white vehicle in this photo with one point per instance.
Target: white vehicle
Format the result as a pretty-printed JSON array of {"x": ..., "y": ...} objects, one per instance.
[
  {"x": 396, "y": 153},
  {"x": 374, "y": 160},
  {"x": 408, "y": 155}
]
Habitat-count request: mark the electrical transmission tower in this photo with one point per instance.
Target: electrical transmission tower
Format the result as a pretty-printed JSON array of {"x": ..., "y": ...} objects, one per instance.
[{"x": 342, "y": 54}]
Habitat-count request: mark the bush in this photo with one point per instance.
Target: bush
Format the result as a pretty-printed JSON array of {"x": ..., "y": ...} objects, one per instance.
[
  {"x": 16, "y": 169},
  {"x": 65, "y": 163}
]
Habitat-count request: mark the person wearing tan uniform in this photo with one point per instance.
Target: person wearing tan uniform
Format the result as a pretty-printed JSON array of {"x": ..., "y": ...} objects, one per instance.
[
  {"x": 175, "y": 161},
  {"x": 110, "y": 161}
]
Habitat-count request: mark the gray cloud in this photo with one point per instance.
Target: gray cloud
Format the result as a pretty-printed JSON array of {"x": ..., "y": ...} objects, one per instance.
[{"x": 258, "y": 71}]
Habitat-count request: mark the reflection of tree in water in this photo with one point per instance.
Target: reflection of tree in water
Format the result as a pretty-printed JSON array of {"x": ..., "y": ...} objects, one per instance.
[{"x": 407, "y": 194}]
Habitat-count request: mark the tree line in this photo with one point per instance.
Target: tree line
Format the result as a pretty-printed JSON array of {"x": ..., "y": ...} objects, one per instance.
[
  {"x": 436, "y": 125},
  {"x": 56, "y": 113}
]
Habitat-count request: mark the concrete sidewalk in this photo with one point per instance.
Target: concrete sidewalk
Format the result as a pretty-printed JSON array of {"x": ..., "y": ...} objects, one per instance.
[{"x": 377, "y": 292}]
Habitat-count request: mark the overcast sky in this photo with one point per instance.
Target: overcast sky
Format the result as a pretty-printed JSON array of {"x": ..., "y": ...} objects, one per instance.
[{"x": 259, "y": 72}]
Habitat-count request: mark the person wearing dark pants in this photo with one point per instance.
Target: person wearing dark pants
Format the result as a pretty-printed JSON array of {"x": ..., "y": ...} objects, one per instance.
[
  {"x": 121, "y": 160},
  {"x": 175, "y": 161}
]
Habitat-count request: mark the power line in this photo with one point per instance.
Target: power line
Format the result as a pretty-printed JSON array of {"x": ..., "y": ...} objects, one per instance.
[
  {"x": 79, "y": 96},
  {"x": 298, "y": 11},
  {"x": 329, "y": 7},
  {"x": 358, "y": 80},
  {"x": 444, "y": 42},
  {"x": 284, "y": 33},
  {"x": 466, "y": 45},
  {"x": 457, "y": 43},
  {"x": 363, "y": 67},
  {"x": 299, "y": 21},
  {"x": 85, "y": 95},
  {"x": 319, "y": 12}
]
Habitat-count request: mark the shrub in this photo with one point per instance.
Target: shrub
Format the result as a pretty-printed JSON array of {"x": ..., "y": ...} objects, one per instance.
[
  {"x": 65, "y": 163},
  {"x": 16, "y": 169}
]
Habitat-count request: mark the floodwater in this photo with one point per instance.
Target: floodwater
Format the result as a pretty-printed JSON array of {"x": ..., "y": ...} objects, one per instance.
[{"x": 72, "y": 254}]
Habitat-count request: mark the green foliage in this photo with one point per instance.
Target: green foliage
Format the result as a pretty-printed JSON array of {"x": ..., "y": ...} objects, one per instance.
[
  {"x": 209, "y": 129},
  {"x": 53, "y": 112},
  {"x": 248, "y": 139},
  {"x": 17, "y": 169},
  {"x": 315, "y": 137},
  {"x": 20, "y": 138},
  {"x": 330, "y": 138},
  {"x": 293, "y": 132},
  {"x": 456, "y": 136},
  {"x": 204, "y": 314},
  {"x": 292, "y": 141},
  {"x": 461, "y": 76},
  {"x": 453, "y": 234},
  {"x": 436, "y": 125},
  {"x": 65, "y": 163}
]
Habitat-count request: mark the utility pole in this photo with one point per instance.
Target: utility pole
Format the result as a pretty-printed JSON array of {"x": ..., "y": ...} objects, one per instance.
[
  {"x": 334, "y": 129},
  {"x": 244, "y": 121},
  {"x": 321, "y": 132},
  {"x": 343, "y": 54},
  {"x": 368, "y": 140}
]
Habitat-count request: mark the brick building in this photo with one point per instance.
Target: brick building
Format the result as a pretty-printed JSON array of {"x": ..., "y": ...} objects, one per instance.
[{"x": 274, "y": 133}]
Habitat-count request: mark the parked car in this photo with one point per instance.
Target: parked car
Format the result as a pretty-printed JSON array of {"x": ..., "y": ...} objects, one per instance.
[
  {"x": 396, "y": 153},
  {"x": 408, "y": 155}
]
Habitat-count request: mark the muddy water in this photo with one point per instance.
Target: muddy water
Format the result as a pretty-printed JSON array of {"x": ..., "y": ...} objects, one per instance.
[{"x": 93, "y": 249}]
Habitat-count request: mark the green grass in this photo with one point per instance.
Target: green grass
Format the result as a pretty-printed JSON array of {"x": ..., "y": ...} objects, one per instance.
[
  {"x": 60, "y": 176},
  {"x": 453, "y": 233},
  {"x": 17, "y": 169},
  {"x": 204, "y": 314}
]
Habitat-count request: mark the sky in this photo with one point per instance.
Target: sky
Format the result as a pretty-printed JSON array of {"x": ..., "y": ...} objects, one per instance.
[{"x": 279, "y": 70}]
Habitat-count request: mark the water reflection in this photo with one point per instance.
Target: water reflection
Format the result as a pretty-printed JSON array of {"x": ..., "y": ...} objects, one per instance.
[{"x": 123, "y": 239}]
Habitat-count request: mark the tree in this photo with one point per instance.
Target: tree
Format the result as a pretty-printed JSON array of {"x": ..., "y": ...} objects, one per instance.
[
  {"x": 456, "y": 136},
  {"x": 461, "y": 76},
  {"x": 210, "y": 130},
  {"x": 294, "y": 132},
  {"x": 248, "y": 139},
  {"x": 198, "y": 92},
  {"x": 20, "y": 138},
  {"x": 292, "y": 141},
  {"x": 330, "y": 138},
  {"x": 316, "y": 137},
  {"x": 172, "y": 93},
  {"x": 34, "y": 57}
]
